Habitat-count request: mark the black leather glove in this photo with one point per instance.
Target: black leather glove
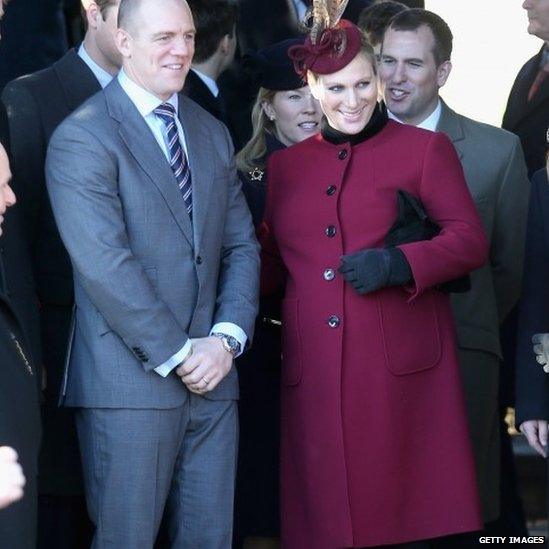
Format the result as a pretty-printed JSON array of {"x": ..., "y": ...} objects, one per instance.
[{"x": 372, "y": 269}]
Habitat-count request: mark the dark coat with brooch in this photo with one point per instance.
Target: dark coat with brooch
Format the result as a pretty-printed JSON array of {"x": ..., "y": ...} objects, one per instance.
[
  {"x": 257, "y": 487},
  {"x": 374, "y": 446}
]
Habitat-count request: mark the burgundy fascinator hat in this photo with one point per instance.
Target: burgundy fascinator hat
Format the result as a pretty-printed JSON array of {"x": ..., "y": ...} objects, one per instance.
[{"x": 332, "y": 42}]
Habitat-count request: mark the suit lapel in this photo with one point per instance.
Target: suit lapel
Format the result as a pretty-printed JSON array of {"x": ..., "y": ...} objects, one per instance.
[
  {"x": 450, "y": 124},
  {"x": 143, "y": 146},
  {"x": 199, "y": 154},
  {"x": 76, "y": 79}
]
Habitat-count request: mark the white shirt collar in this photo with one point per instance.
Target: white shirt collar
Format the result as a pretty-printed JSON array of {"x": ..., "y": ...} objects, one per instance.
[
  {"x": 430, "y": 123},
  {"x": 144, "y": 100},
  {"x": 208, "y": 80},
  {"x": 101, "y": 74}
]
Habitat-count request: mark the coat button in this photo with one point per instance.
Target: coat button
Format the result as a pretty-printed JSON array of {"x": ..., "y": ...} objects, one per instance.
[
  {"x": 331, "y": 231},
  {"x": 198, "y": 260},
  {"x": 334, "y": 321},
  {"x": 342, "y": 155},
  {"x": 329, "y": 274},
  {"x": 331, "y": 190}
]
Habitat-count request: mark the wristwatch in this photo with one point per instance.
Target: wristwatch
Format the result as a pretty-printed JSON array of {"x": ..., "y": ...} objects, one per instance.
[{"x": 230, "y": 343}]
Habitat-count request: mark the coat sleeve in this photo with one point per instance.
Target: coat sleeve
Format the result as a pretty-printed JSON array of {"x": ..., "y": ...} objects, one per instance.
[
  {"x": 82, "y": 182},
  {"x": 532, "y": 388},
  {"x": 461, "y": 246},
  {"x": 273, "y": 270},
  {"x": 238, "y": 286},
  {"x": 507, "y": 242}
]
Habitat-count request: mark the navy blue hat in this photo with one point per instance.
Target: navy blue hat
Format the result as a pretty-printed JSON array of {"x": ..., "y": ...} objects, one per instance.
[{"x": 271, "y": 68}]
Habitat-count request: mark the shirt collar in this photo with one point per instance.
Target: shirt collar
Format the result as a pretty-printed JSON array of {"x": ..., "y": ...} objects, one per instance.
[
  {"x": 430, "y": 123},
  {"x": 208, "y": 80},
  {"x": 101, "y": 74},
  {"x": 144, "y": 100}
]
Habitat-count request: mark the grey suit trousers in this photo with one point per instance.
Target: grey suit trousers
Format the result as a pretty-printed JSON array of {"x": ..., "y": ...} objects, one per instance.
[
  {"x": 480, "y": 376},
  {"x": 136, "y": 462}
]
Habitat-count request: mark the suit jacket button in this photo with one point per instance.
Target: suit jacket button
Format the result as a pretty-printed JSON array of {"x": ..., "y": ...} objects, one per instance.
[
  {"x": 334, "y": 321},
  {"x": 198, "y": 260},
  {"x": 331, "y": 190},
  {"x": 329, "y": 275},
  {"x": 331, "y": 231},
  {"x": 342, "y": 155}
]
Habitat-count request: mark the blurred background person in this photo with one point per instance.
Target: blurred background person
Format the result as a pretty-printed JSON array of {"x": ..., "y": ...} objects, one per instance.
[
  {"x": 284, "y": 113},
  {"x": 527, "y": 115},
  {"x": 532, "y": 406},
  {"x": 19, "y": 408},
  {"x": 36, "y": 105},
  {"x": 415, "y": 63},
  {"x": 351, "y": 445},
  {"x": 374, "y": 19},
  {"x": 527, "y": 109},
  {"x": 215, "y": 46},
  {"x": 33, "y": 37}
]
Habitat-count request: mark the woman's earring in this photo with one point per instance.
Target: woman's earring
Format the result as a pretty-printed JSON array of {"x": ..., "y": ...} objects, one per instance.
[{"x": 272, "y": 117}]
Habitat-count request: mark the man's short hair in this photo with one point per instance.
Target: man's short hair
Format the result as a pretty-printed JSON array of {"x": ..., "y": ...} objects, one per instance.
[
  {"x": 374, "y": 19},
  {"x": 412, "y": 19},
  {"x": 103, "y": 6},
  {"x": 213, "y": 20}
]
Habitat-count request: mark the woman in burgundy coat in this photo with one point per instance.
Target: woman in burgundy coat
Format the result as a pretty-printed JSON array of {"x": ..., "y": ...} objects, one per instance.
[{"x": 375, "y": 448}]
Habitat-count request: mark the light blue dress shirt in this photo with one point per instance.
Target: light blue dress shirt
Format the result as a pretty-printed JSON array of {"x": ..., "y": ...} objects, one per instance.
[
  {"x": 145, "y": 103},
  {"x": 101, "y": 74}
]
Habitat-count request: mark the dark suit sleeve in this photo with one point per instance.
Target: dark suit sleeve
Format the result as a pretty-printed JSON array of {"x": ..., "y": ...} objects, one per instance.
[
  {"x": 507, "y": 242},
  {"x": 28, "y": 153},
  {"x": 532, "y": 401}
]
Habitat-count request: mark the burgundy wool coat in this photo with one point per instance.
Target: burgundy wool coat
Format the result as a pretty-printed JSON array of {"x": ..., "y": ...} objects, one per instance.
[{"x": 375, "y": 446}]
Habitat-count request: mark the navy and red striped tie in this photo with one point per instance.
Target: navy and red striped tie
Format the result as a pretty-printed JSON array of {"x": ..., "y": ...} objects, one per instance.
[{"x": 178, "y": 159}]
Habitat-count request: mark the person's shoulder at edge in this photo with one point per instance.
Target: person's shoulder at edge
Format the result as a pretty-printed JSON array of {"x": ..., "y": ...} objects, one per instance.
[{"x": 487, "y": 131}]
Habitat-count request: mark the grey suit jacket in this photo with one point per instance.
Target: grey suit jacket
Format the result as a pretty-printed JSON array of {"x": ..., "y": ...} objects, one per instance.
[
  {"x": 145, "y": 281},
  {"x": 496, "y": 175}
]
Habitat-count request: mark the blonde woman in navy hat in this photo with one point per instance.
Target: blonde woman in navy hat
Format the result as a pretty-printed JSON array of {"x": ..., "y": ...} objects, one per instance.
[
  {"x": 284, "y": 113},
  {"x": 375, "y": 449}
]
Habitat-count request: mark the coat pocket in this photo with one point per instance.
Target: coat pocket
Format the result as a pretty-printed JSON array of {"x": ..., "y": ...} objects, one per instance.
[
  {"x": 411, "y": 332},
  {"x": 292, "y": 367}
]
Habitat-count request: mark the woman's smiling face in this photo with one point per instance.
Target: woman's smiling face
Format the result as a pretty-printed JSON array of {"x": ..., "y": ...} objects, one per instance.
[{"x": 348, "y": 97}]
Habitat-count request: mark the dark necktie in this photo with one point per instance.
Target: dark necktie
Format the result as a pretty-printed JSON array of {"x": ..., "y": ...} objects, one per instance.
[
  {"x": 543, "y": 73},
  {"x": 178, "y": 160}
]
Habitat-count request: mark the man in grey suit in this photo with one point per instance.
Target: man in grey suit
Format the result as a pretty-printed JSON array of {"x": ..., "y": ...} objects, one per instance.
[
  {"x": 144, "y": 191},
  {"x": 414, "y": 65}
]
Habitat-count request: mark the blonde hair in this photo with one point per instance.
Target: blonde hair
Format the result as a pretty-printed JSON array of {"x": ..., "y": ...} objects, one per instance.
[{"x": 252, "y": 155}]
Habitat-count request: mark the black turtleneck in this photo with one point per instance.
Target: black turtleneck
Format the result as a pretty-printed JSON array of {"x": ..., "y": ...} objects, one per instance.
[{"x": 374, "y": 126}]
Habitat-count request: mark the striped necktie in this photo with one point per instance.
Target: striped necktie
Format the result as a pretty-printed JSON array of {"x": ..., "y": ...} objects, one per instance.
[{"x": 178, "y": 160}]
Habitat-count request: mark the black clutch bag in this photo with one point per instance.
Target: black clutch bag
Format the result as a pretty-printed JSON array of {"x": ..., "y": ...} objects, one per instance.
[{"x": 412, "y": 225}]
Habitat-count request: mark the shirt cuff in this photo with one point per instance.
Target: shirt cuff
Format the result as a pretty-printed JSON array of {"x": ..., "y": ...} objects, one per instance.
[
  {"x": 230, "y": 329},
  {"x": 165, "y": 368}
]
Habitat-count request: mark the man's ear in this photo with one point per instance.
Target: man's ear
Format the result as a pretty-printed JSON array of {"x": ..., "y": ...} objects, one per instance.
[
  {"x": 92, "y": 13},
  {"x": 123, "y": 42},
  {"x": 225, "y": 44},
  {"x": 443, "y": 72}
]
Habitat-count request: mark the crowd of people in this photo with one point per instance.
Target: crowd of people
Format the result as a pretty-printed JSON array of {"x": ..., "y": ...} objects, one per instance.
[{"x": 260, "y": 286}]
